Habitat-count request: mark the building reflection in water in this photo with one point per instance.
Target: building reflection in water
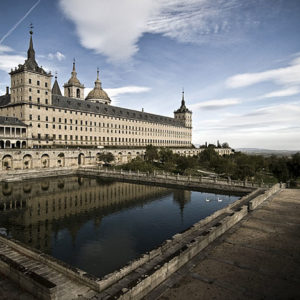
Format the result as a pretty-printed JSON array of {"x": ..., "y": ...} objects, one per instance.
[
  {"x": 48, "y": 206},
  {"x": 182, "y": 197}
]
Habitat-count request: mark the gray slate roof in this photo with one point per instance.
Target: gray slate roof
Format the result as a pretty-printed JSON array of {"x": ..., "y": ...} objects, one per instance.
[
  {"x": 11, "y": 121},
  {"x": 4, "y": 100},
  {"x": 113, "y": 111}
]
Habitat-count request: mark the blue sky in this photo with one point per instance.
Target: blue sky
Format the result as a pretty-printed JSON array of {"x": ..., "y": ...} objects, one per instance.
[{"x": 238, "y": 61}]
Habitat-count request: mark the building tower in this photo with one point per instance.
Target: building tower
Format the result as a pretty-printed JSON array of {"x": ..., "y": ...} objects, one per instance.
[
  {"x": 29, "y": 82},
  {"x": 73, "y": 88},
  {"x": 97, "y": 94},
  {"x": 183, "y": 114}
]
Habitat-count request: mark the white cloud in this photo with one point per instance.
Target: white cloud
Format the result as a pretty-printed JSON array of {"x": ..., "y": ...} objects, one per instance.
[
  {"x": 114, "y": 92},
  {"x": 58, "y": 55},
  {"x": 283, "y": 93},
  {"x": 4, "y": 49},
  {"x": 215, "y": 104},
  {"x": 114, "y": 27},
  {"x": 289, "y": 75},
  {"x": 110, "y": 27},
  {"x": 7, "y": 61},
  {"x": 273, "y": 126}
]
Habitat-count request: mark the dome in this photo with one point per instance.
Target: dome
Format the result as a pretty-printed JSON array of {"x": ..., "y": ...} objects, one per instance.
[{"x": 98, "y": 94}]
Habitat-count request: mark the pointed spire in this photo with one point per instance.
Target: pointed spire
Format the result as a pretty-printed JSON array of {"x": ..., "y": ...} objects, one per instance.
[
  {"x": 31, "y": 52},
  {"x": 182, "y": 100},
  {"x": 55, "y": 88},
  {"x": 74, "y": 65},
  {"x": 73, "y": 73},
  {"x": 98, "y": 82}
]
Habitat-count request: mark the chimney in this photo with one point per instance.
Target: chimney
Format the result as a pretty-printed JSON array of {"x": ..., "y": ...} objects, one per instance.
[{"x": 7, "y": 90}]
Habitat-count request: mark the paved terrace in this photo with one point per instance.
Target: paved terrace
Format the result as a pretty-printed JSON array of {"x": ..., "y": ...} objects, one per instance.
[{"x": 259, "y": 258}]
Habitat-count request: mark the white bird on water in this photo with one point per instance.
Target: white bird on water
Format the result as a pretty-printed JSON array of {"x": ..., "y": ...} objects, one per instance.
[
  {"x": 207, "y": 200},
  {"x": 219, "y": 199}
]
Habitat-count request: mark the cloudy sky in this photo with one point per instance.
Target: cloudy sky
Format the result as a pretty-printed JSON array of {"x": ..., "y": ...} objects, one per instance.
[{"x": 238, "y": 61}]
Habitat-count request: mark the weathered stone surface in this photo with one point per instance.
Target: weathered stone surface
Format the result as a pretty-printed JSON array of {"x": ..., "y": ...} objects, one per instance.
[{"x": 258, "y": 259}]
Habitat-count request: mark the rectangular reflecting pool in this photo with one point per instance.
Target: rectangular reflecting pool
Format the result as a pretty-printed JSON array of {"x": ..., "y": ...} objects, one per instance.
[{"x": 99, "y": 225}]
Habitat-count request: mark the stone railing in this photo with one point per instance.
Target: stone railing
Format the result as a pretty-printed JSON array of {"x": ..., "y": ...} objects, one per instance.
[{"x": 173, "y": 179}]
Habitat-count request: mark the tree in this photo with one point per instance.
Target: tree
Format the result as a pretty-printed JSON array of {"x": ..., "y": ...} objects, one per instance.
[
  {"x": 166, "y": 155},
  {"x": 208, "y": 154},
  {"x": 294, "y": 165},
  {"x": 184, "y": 163},
  {"x": 151, "y": 153},
  {"x": 225, "y": 145},
  {"x": 106, "y": 157}
]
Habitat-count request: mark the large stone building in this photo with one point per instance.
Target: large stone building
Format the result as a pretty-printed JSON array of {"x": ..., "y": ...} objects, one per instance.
[{"x": 41, "y": 117}]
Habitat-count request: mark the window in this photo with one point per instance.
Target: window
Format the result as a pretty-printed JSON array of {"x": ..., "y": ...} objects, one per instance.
[
  {"x": 38, "y": 91},
  {"x": 39, "y": 118},
  {"x": 78, "y": 93},
  {"x": 29, "y": 89},
  {"x": 29, "y": 80},
  {"x": 38, "y": 82},
  {"x": 53, "y": 119},
  {"x": 38, "y": 100},
  {"x": 46, "y": 84},
  {"x": 30, "y": 117},
  {"x": 46, "y": 101},
  {"x": 30, "y": 98}
]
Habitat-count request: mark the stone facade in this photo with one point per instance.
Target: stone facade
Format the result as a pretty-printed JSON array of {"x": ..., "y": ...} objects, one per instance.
[{"x": 72, "y": 121}]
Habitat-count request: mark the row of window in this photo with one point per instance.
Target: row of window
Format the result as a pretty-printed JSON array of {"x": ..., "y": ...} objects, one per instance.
[
  {"x": 29, "y": 81},
  {"x": 116, "y": 126},
  {"x": 37, "y": 82},
  {"x": 110, "y": 139}
]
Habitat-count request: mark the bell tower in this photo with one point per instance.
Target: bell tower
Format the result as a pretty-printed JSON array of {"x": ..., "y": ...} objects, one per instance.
[
  {"x": 29, "y": 82},
  {"x": 183, "y": 114},
  {"x": 73, "y": 88}
]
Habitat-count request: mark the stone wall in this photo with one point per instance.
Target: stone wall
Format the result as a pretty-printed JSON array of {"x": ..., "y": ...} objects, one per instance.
[{"x": 23, "y": 159}]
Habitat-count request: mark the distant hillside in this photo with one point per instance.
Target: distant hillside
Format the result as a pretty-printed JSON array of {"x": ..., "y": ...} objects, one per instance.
[{"x": 266, "y": 151}]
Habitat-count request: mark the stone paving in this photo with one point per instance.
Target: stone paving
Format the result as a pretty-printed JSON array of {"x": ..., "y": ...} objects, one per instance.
[
  {"x": 67, "y": 288},
  {"x": 259, "y": 258}
]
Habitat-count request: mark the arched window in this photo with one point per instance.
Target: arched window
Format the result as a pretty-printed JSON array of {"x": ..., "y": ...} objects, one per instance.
[
  {"x": 78, "y": 93},
  {"x": 69, "y": 92}
]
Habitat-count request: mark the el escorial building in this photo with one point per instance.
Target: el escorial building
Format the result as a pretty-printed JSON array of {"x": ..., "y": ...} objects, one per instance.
[{"x": 35, "y": 114}]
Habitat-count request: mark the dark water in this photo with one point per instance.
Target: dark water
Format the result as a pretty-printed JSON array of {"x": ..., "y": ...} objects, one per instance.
[{"x": 99, "y": 225}]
